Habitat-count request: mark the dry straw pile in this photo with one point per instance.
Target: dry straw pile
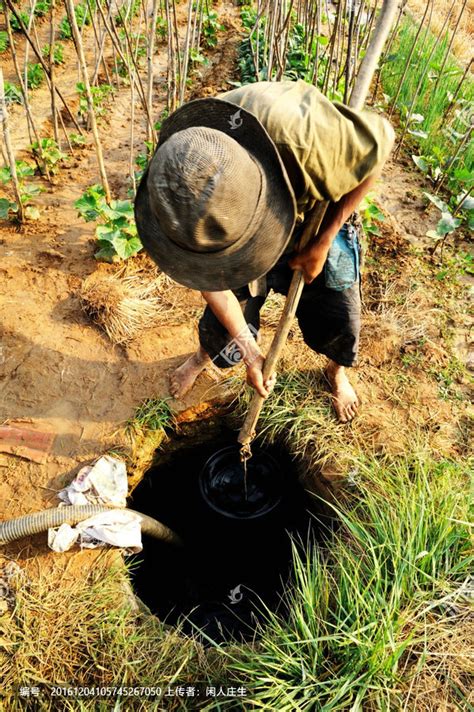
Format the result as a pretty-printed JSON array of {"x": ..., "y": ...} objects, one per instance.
[{"x": 127, "y": 302}]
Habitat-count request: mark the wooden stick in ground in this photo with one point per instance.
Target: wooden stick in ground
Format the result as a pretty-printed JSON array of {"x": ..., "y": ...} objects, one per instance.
[
  {"x": 369, "y": 63},
  {"x": 149, "y": 58},
  {"x": 52, "y": 73},
  {"x": 313, "y": 223},
  {"x": 9, "y": 149},
  {"x": 37, "y": 52},
  {"x": 19, "y": 76},
  {"x": 90, "y": 103}
]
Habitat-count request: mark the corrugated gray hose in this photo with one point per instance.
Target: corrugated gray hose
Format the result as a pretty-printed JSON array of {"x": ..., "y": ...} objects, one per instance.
[{"x": 38, "y": 522}]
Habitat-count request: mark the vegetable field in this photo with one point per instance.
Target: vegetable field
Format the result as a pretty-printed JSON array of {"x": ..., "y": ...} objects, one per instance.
[{"x": 380, "y": 617}]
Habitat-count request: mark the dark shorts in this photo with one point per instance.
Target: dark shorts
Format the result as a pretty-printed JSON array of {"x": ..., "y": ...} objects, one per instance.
[{"x": 329, "y": 318}]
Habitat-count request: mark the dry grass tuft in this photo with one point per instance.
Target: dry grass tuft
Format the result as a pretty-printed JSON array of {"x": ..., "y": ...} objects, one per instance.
[
  {"x": 125, "y": 303},
  {"x": 438, "y": 674},
  {"x": 91, "y": 633}
]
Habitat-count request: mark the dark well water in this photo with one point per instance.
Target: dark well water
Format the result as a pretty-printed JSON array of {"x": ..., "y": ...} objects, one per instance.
[{"x": 227, "y": 566}]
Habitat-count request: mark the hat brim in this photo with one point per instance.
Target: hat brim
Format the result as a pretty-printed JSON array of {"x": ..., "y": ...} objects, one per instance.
[{"x": 226, "y": 269}]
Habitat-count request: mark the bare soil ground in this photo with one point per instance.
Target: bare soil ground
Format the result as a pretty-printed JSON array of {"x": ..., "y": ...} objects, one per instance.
[{"x": 61, "y": 374}]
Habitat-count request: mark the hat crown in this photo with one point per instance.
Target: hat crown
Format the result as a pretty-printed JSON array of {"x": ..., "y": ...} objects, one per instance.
[{"x": 204, "y": 189}]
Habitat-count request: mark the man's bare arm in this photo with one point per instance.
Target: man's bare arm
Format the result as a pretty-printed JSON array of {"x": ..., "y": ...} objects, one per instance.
[
  {"x": 226, "y": 308},
  {"x": 311, "y": 259}
]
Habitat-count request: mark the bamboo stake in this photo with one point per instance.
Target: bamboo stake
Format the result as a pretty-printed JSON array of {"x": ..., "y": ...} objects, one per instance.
[
  {"x": 185, "y": 60},
  {"x": 85, "y": 79},
  {"x": 132, "y": 136},
  {"x": 9, "y": 150},
  {"x": 374, "y": 50},
  {"x": 52, "y": 71},
  {"x": 149, "y": 57},
  {"x": 388, "y": 48}
]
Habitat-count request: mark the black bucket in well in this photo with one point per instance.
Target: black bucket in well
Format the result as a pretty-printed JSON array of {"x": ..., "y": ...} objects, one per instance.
[
  {"x": 230, "y": 567},
  {"x": 242, "y": 490}
]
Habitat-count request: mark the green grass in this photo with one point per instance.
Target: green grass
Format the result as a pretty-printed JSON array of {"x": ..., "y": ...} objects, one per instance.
[
  {"x": 358, "y": 611},
  {"x": 431, "y": 104},
  {"x": 152, "y": 414}
]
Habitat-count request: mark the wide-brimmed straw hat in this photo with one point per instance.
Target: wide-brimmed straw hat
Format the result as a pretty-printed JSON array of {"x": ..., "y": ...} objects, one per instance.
[{"x": 215, "y": 208}]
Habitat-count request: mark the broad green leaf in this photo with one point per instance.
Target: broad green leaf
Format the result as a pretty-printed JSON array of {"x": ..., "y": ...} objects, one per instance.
[
  {"x": 120, "y": 244},
  {"x": 107, "y": 232},
  {"x": 464, "y": 175},
  {"x": 440, "y": 204},
  {"x": 88, "y": 207},
  {"x": 123, "y": 206},
  {"x": 5, "y": 174},
  {"x": 468, "y": 203},
  {"x": 32, "y": 189},
  {"x": 32, "y": 213},
  {"x": 447, "y": 224},
  {"x": 420, "y": 162},
  {"x": 418, "y": 134},
  {"x": 106, "y": 252},
  {"x": 470, "y": 221},
  {"x": 5, "y": 207}
]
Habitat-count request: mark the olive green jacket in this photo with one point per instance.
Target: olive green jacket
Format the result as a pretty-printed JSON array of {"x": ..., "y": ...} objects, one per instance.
[{"x": 327, "y": 148}]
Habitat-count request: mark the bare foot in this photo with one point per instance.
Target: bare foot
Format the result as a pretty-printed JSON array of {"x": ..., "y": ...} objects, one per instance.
[
  {"x": 345, "y": 400},
  {"x": 184, "y": 377}
]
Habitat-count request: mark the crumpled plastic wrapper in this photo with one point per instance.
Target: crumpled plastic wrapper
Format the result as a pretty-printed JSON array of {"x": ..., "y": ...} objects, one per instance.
[{"x": 104, "y": 482}]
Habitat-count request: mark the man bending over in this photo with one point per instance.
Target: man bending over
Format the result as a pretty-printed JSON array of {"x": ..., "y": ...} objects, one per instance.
[{"x": 223, "y": 202}]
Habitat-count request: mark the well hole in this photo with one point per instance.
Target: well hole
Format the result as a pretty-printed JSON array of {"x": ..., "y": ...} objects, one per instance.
[{"x": 228, "y": 567}]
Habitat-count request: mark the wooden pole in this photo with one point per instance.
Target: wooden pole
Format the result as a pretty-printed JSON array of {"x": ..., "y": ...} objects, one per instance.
[
  {"x": 90, "y": 103},
  {"x": 9, "y": 149},
  {"x": 374, "y": 50}
]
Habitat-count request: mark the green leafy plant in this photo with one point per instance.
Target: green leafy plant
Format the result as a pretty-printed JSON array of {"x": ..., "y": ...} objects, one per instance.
[
  {"x": 430, "y": 165},
  {"x": 116, "y": 231},
  {"x": 99, "y": 94},
  {"x": 210, "y": 27},
  {"x": 161, "y": 28},
  {"x": 371, "y": 215},
  {"x": 15, "y": 25},
  {"x": 4, "y": 41},
  {"x": 58, "y": 52},
  {"x": 49, "y": 153},
  {"x": 28, "y": 191},
  {"x": 141, "y": 159},
  {"x": 412, "y": 123},
  {"x": 77, "y": 139},
  {"x": 13, "y": 94},
  {"x": 42, "y": 7},
  {"x": 196, "y": 58},
  {"x": 35, "y": 75},
  {"x": 451, "y": 218},
  {"x": 65, "y": 31}
]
